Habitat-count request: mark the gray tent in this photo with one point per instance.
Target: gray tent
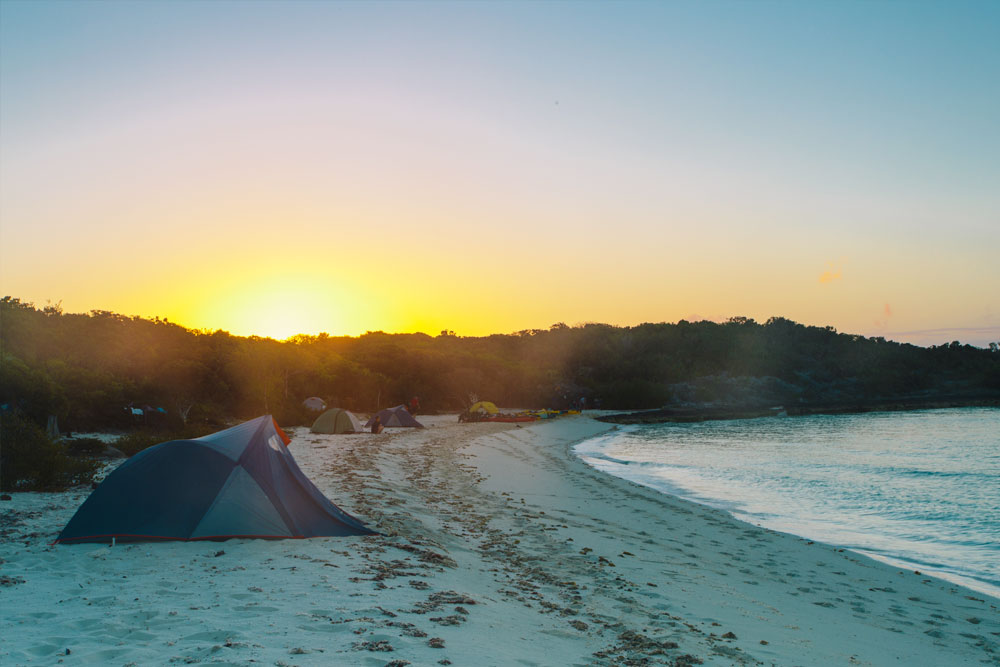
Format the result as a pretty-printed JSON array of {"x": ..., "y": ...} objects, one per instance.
[
  {"x": 397, "y": 416},
  {"x": 336, "y": 420},
  {"x": 315, "y": 404}
]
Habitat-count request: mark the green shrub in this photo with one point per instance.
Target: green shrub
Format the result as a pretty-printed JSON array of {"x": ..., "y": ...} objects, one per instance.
[
  {"x": 294, "y": 415},
  {"x": 84, "y": 447},
  {"x": 32, "y": 461},
  {"x": 136, "y": 441},
  {"x": 132, "y": 443}
]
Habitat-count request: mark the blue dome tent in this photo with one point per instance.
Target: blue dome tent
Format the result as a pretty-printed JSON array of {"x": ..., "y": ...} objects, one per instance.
[{"x": 240, "y": 482}]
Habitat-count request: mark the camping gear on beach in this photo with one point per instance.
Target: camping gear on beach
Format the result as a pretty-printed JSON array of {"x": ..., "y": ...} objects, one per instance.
[
  {"x": 548, "y": 414},
  {"x": 314, "y": 404},
  {"x": 484, "y": 411},
  {"x": 240, "y": 482},
  {"x": 336, "y": 420},
  {"x": 397, "y": 416},
  {"x": 479, "y": 411}
]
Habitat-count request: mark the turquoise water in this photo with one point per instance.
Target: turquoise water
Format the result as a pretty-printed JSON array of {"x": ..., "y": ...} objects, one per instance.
[{"x": 917, "y": 489}]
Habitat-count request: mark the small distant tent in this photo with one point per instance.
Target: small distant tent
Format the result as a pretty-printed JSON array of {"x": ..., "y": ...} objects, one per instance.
[
  {"x": 240, "y": 482},
  {"x": 314, "y": 404},
  {"x": 336, "y": 420},
  {"x": 397, "y": 416},
  {"x": 484, "y": 407}
]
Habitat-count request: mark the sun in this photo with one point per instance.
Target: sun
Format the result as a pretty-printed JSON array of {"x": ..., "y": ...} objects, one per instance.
[
  {"x": 281, "y": 306},
  {"x": 282, "y": 312}
]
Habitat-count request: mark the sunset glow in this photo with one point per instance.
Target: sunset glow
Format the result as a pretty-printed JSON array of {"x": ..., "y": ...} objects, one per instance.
[
  {"x": 281, "y": 168},
  {"x": 276, "y": 306}
]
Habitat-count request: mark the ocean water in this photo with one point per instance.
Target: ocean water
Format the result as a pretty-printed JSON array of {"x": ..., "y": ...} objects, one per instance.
[{"x": 920, "y": 490}]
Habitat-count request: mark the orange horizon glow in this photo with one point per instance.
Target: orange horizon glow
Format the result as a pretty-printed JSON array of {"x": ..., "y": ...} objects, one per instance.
[{"x": 283, "y": 313}]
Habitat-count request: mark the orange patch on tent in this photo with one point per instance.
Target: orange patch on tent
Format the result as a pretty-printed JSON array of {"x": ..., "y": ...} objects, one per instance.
[{"x": 284, "y": 436}]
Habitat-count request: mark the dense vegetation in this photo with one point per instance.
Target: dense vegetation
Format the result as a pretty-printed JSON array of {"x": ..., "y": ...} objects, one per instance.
[
  {"x": 86, "y": 368},
  {"x": 31, "y": 460}
]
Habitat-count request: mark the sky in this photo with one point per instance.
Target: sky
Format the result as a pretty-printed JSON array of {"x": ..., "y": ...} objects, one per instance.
[{"x": 487, "y": 167}]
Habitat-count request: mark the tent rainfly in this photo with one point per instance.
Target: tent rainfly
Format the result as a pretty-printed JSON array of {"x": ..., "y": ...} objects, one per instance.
[
  {"x": 484, "y": 406},
  {"x": 314, "y": 404},
  {"x": 240, "y": 482},
  {"x": 336, "y": 420},
  {"x": 397, "y": 416}
]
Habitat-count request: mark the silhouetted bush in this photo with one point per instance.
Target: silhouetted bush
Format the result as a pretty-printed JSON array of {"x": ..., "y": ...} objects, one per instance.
[
  {"x": 132, "y": 443},
  {"x": 31, "y": 461},
  {"x": 84, "y": 447}
]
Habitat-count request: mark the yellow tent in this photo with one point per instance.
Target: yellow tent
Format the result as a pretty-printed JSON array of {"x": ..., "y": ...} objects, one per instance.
[{"x": 484, "y": 406}]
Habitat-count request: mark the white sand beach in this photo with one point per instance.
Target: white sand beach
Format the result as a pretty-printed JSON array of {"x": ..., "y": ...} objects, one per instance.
[{"x": 500, "y": 547}]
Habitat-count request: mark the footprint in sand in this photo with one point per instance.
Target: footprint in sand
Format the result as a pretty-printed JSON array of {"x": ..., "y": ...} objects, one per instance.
[
  {"x": 326, "y": 627},
  {"x": 109, "y": 654},
  {"x": 42, "y": 650},
  {"x": 255, "y": 609},
  {"x": 41, "y": 614},
  {"x": 214, "y": 636}
]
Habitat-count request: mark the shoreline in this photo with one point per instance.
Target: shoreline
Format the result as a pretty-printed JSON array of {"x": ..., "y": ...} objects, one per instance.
[
  {"x": 500, "y": 547},
  {"x": 782, "y": 595},
  {"x": 712, "y": 413},
  {"x": 790, "y": 524}
]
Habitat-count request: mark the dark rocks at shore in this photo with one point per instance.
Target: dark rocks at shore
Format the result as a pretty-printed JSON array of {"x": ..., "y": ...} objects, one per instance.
[{"x": 728, "y": 397}]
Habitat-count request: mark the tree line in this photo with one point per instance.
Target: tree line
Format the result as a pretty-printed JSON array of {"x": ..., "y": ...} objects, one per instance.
[{"x": 87, "y": 368}]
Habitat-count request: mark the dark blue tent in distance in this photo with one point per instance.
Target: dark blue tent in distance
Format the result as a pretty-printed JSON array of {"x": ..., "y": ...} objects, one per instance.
[
  {"x": 397, "y": 416},
  {"x": 240, "y": 482}
]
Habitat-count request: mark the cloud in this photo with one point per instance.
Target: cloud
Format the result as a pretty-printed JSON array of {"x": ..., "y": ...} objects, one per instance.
[
  {"x": 833, "y": 272},
  {"x": 887, "y": 311}
]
